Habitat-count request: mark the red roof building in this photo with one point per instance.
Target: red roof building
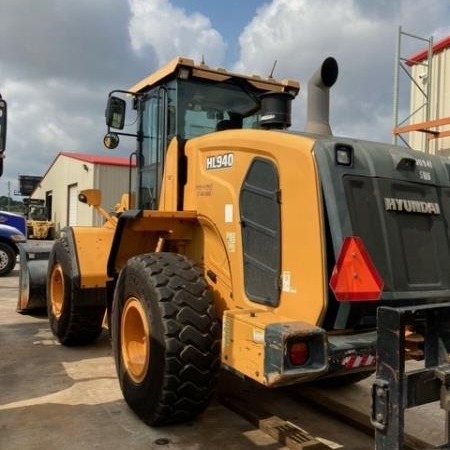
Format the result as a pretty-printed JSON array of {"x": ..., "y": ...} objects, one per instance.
[
  {"x": 71, "y": 173},
  {"x": 421, "y": 56},
  {"x": 97, "y": 159},
  {"x": 432, "y": 132}
]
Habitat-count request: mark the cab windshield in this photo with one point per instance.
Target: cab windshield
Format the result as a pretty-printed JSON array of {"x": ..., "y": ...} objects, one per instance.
[{"x": 206, "y": 107}]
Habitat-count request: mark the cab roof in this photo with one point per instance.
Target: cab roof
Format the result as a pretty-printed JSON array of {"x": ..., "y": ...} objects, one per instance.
[{"x": 186, "y": 68}]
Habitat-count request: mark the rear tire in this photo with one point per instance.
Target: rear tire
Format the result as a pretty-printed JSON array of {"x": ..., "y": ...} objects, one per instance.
[
  {"x": 75, "y": 315},
  {"x": 165, "y": 338},
  {"x": 7, "y": 259}
]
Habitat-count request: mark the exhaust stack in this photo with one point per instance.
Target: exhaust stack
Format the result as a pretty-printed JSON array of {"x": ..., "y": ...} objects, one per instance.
[{"x": 318, "y": 110}]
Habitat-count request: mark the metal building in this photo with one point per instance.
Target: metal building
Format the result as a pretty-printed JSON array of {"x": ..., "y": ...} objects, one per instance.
[
  {"x": 439, "y": 101},
  {"x": 429, "y": 119},
  {"x": 72, "y": 172}
]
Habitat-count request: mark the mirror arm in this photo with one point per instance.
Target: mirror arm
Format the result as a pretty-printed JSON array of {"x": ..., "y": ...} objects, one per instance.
[
  {"x": 129, "y": 134},
  {"x": 121, "y": 91}
]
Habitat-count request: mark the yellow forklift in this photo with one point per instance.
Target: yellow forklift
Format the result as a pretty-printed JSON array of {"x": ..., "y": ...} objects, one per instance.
[{"x": 38, "y": 224}]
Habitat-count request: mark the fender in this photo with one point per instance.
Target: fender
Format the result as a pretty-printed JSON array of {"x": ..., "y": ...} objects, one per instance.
[
  {"x": 89, "y": 250},
  {"x": 138, "y": 232}
]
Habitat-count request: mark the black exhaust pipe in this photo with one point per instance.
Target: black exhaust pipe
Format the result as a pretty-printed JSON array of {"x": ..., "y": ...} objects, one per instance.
[{"x": 318, "y": 110}]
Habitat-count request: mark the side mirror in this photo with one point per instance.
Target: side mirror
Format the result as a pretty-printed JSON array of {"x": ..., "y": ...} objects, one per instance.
[
  {"x": 111, "y": 141},
  {"x": 115, "y": 112},
  {"x": 3, "y": 110}
]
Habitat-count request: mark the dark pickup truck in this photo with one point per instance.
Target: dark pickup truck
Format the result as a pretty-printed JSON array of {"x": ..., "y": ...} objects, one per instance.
[{"x": 12, "y": 232}]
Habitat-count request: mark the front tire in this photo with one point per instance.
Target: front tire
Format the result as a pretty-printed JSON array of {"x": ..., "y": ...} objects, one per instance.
[
  {"x": 165, "y": 338},
  {"x": 7, "y": 259},
  {"x": 75, "y": 315}
]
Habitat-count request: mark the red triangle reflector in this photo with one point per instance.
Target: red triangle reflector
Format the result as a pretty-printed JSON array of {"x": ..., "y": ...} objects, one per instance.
[{"x": 354, "y": 276}]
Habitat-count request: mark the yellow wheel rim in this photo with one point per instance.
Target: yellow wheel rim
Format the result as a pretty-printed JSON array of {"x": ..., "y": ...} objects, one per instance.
[
  {"x": 134, "y": 339},
  {"x": 57, "y": 290}
]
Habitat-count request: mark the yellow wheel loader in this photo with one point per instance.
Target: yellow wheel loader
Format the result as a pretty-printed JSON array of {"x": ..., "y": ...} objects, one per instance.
[{"x": 248, "y": 246}]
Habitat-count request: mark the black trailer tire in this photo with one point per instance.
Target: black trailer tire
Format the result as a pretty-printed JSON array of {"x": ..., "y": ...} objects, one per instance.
[
  {"x": 33, "y": 279},
  {"x": 51, "y": 234},
  {"x": 75, "y": 315},
  {"x": 165, "y": 338},
  {"x": 7, "y": 258}
]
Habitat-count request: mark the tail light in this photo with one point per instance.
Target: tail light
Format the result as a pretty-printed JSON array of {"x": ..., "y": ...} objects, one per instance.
[
  {"x": 298, "y": 353},
  {"x": 354, "y": 276}
]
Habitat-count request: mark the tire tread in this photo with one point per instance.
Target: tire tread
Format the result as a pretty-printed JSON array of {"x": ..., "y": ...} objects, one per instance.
[{"x": 190, "y": 334}]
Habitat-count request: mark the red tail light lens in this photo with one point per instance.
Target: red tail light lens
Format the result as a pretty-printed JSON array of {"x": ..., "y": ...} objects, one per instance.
[
  {"x": 354, "y": 276},
  {"x": 298, "y": 353}
]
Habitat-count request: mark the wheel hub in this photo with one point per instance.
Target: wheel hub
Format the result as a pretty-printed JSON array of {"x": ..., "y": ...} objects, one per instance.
[
  {"x": 135, "y": 339},
  {"x": 57, "y": 290},
  {"x": 3, "y": 260}
]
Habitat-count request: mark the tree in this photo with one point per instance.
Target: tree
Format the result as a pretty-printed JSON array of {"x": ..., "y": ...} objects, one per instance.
[{"x": 14, "y": 206}]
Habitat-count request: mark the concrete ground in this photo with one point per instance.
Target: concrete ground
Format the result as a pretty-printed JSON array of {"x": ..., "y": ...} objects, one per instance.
[
  {"x": 54, "y": 397},
  {"x": 58, "y": 398}
]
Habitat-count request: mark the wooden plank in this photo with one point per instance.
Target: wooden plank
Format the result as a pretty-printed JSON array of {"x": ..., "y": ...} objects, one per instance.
[
  {"x": 286, "y": 433},
  {"x": 290, "y": 435}
]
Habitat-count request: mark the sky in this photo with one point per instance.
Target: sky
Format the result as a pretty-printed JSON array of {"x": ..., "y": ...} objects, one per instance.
[{"x": 59, "y": 59}]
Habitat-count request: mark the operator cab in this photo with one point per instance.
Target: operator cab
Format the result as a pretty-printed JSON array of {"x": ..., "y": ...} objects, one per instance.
[
  {"x": 38, "y": 213},
  {"x": 184, "y": 101}
]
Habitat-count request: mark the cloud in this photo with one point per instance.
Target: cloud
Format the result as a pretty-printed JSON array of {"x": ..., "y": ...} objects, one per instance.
[
  {"x": 60, "y": 59},
  {"x": 361, "y": 35},
  {"x": 47, "y": 117},
  {"x": 84, "y": 40},
  {"x": 171, "y": 32}
]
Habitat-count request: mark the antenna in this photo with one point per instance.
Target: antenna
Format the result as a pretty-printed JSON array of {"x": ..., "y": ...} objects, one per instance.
[
  {"x": 203, "y": 60},
  {"x": 273, "y": 69}
]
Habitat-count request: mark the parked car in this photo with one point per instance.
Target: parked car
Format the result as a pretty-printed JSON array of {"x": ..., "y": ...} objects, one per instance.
[{"x": 12, "y": 232}]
